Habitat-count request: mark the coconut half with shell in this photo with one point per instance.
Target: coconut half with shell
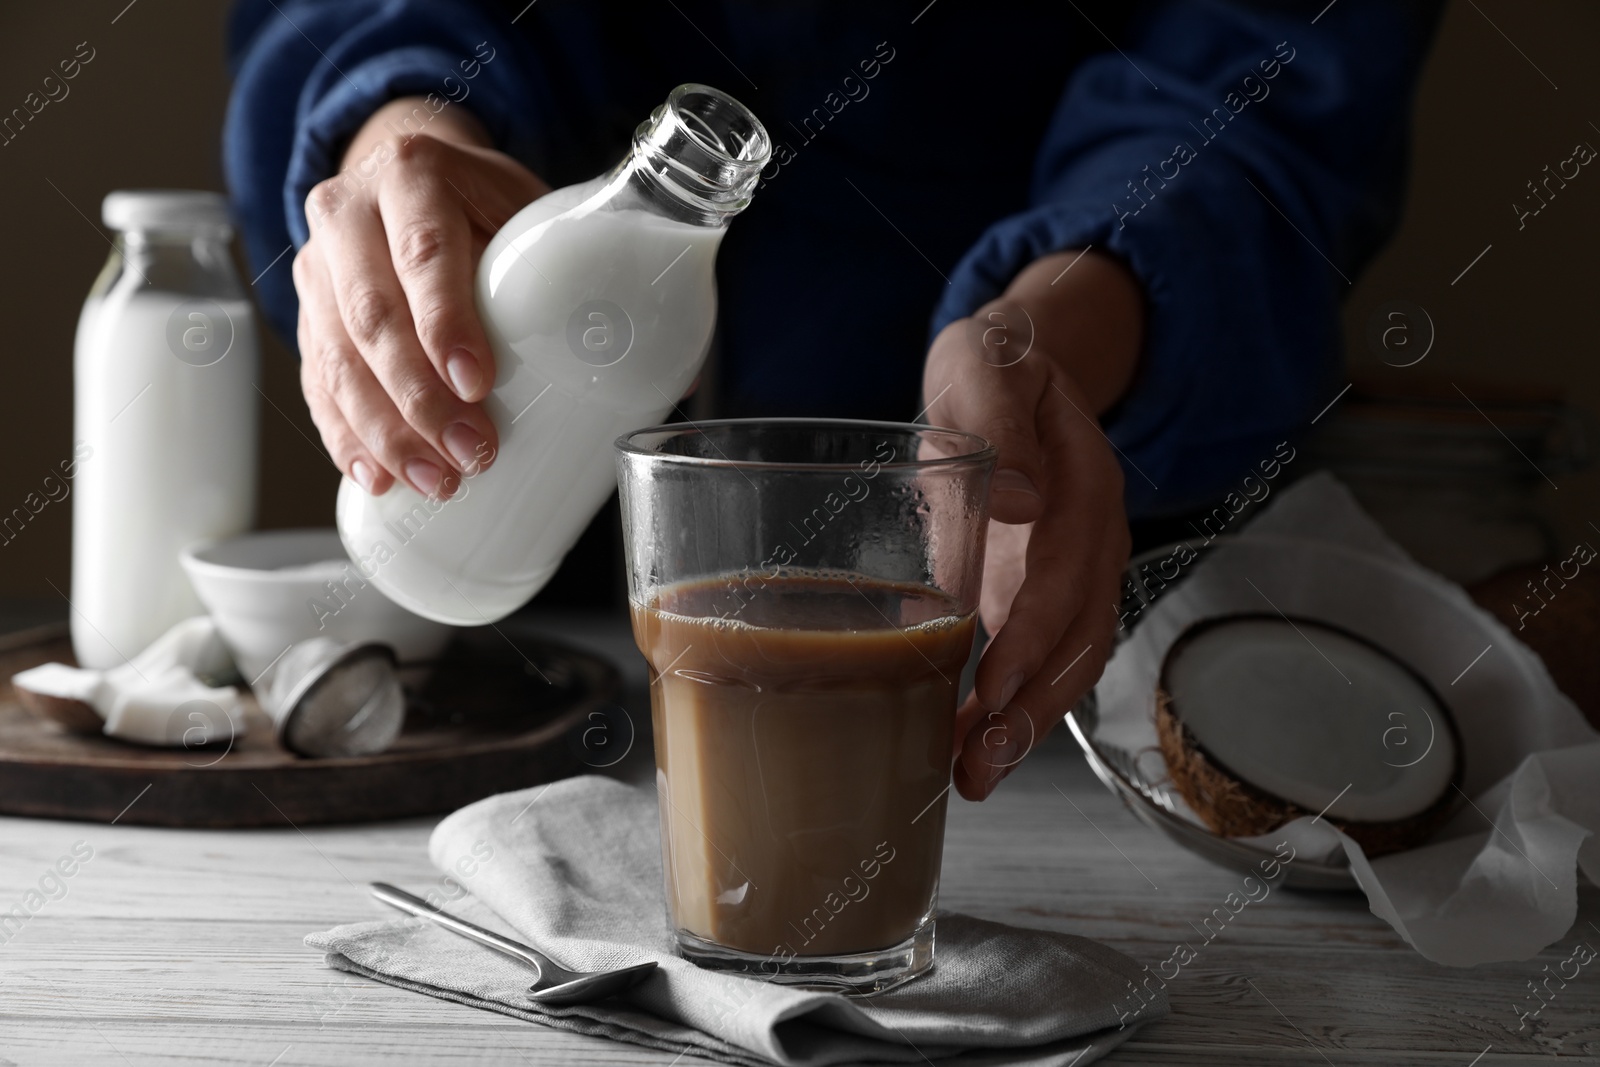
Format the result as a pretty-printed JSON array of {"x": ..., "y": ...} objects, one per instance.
[{"x": 1263, "y": 719}]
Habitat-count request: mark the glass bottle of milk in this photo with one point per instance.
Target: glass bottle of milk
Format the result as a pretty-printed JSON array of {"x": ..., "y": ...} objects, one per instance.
[
  {"x": 599, "y": 301},
  {"x": 164, "y": 418}
]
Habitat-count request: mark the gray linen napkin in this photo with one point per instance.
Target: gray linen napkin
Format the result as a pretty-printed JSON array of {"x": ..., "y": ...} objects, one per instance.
[{"x": 574, "y": 868}]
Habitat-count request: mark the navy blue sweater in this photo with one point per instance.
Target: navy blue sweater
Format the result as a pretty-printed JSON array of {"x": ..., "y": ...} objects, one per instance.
[{"x": 1244, "y": 159}]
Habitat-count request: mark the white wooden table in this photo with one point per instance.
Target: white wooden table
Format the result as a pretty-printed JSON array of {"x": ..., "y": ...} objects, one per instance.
[{"x": 186, "y": 946}]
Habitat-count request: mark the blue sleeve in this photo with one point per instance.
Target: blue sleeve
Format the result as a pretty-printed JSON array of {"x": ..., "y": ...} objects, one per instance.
[
  {"x": 308, "y": 73},
  {"x": 1244, "y": 163}
]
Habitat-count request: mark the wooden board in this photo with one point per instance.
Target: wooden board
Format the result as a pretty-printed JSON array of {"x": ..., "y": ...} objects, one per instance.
[{"x": 497, "y": 713}]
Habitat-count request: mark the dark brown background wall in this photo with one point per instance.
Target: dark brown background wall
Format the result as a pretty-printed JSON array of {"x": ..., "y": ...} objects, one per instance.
[{"x": 146, "y": 113}]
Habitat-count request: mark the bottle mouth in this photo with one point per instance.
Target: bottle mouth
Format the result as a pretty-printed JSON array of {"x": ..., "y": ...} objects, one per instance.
[
  {"x": 167, "y": 211},
  {"x": 705, "y": 147}
]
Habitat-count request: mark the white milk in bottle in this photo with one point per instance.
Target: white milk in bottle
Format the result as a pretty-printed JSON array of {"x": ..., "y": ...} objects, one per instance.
[
  {"x": 164, "y": 419},
  {"x": 599, "y": 301}
]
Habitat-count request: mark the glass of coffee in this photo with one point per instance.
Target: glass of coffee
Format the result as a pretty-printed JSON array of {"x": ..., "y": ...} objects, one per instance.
[{"x": 805, "y": 592}]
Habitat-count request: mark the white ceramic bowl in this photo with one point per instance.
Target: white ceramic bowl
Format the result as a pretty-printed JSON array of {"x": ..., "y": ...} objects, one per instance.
[{"x": 271, "y": 589}]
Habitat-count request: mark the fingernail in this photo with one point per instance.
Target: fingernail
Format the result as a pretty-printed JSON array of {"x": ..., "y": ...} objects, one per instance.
[
  {"x": 1011, "y": 480},
  {"x": 1004, "y": 746},
  {"x": 465, "y": 445},
  {"x": 1009, "y": 687},
  {"x": 1002, "y": 757},
  {"x": 364, "y": 475},
  {"x": 465, "y": 374},
  {"x": 423, "y": 476}
]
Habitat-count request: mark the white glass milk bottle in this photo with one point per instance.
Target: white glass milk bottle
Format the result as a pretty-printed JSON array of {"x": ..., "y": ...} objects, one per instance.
[
  {"x": 599, "y": 300},
  {"x": 164, "y": 418}
]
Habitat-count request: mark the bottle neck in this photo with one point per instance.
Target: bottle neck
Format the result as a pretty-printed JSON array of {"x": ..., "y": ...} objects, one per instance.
[
  {"x": 697, "y": 159},
  {"x": 206, "y": 245},
  {"x": 196, "y": 261}
]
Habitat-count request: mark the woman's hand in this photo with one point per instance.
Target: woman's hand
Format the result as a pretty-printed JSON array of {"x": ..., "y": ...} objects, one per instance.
[
  {"x": 393, "y": 359},
  {"x": 1030, "y": 372}
]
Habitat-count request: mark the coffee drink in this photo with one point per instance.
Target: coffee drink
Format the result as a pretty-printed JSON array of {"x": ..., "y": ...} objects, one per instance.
[{"x": 803, "y": 730}]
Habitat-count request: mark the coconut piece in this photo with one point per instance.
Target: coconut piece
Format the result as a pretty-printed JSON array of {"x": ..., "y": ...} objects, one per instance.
[
  {"x": 145, "y": 700},
  {"x": 1263, "y": 719},
  {"x": 61, "y": 694}
]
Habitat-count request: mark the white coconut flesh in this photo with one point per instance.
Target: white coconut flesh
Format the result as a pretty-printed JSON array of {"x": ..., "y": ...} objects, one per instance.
[{"x": 1311, "y": 713}]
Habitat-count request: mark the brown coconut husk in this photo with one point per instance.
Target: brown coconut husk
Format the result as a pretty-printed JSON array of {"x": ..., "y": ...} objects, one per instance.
[
  {"x": 74, "y": 716},
  {"x": 1233, "y": 807}
]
